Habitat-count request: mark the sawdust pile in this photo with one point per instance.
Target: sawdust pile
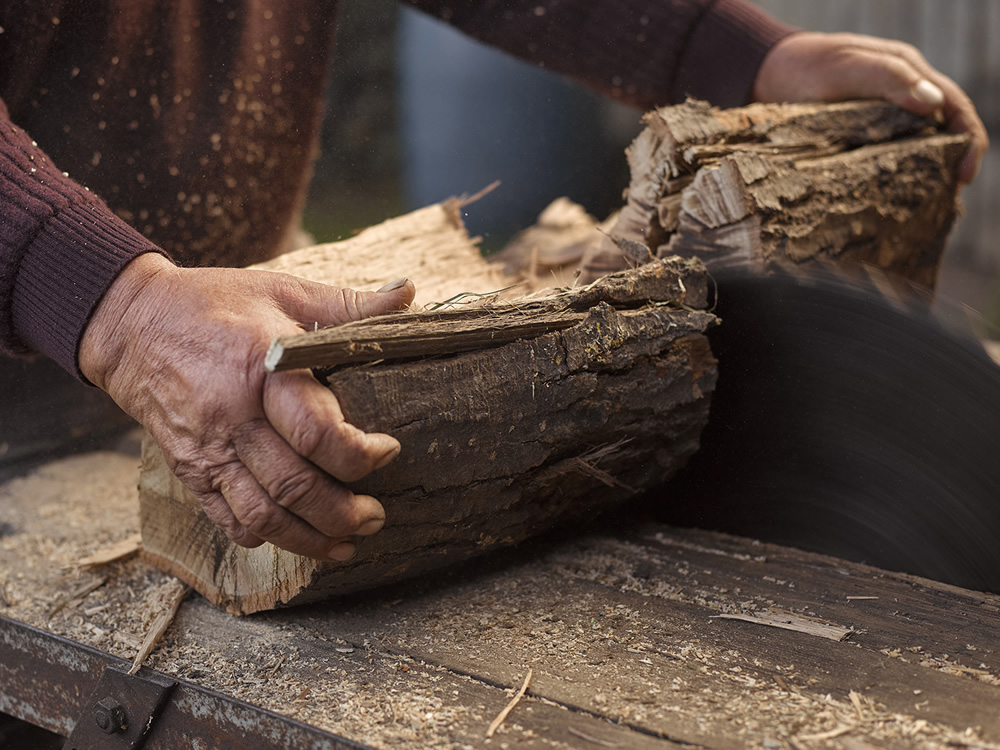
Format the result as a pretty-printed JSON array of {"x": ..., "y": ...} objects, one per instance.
[{"x": 432, "y": 666}]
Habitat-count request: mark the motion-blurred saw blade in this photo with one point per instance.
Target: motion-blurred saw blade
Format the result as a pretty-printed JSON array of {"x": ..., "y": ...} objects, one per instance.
[{"x": 850, "y": 423}]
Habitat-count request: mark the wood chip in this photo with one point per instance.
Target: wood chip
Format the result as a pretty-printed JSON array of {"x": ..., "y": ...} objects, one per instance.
[
  {"x": 858, "y": 706},
  {"x": 171, "y": 603},
  {"x": 277, "y": 666},
  {"x": 77, "y": 595},
  {"x": 993, "y": 349},
  {"x": 861, "y": 598},
  {"x": 791, "y": 621},
  {"x": 509, "y": 707},
  {"x": 119, "y": 551}
]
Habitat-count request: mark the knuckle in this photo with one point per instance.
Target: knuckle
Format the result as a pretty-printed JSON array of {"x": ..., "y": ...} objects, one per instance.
[
  {"x": 244, "y": 538},
  {"x": 245, "y": 432},
  {"x": 309, "y": 436},
  {"x": 194, "y": 471},
  {"x": 263, "y": 520},
  {"x": 218, "y": 512},
  {"x": 349, "y": 303},
  {"x": 289, "y": 490}
]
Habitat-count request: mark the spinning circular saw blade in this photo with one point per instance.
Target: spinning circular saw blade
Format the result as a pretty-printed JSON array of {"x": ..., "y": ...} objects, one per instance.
[{"x": 850, "y": 424}]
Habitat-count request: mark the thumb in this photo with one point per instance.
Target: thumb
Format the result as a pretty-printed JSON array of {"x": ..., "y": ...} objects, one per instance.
[
  {"x": 393, "y": 297},
  {"x": 876, "y": 75},
  {"x": 323, "y": 305},
  {"x": 922, "y": 97}
]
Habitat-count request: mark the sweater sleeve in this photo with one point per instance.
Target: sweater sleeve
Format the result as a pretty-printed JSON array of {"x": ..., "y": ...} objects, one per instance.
[
  {"x": 61, "y": 248},
  {"x": 645, "y": 52}
]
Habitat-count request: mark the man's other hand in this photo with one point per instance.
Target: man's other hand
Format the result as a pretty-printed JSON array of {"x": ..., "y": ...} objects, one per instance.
[{"x": 810, "y": 66}]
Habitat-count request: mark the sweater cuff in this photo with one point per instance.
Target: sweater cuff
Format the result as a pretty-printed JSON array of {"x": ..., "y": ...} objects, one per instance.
[
  {"x": 64, "y": 274},
  {"x": 741, "y": 33}
]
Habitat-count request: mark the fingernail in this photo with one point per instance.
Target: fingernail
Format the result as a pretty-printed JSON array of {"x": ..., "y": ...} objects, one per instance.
[
  {"x": 393, "y": 285},
  {"x": 388, "y": 458},
  {"x": 928, "y": 93},
  {"x": 343, "y": 551},
  {"x": 370, "y": 526}
]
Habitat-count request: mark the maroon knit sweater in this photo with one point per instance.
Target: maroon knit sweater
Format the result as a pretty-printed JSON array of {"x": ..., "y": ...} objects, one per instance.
[{"x": 196, "y": 122}]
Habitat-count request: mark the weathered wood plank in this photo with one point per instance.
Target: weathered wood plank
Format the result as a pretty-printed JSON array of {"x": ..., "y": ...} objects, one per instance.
[
  {"x": 605, "y": 625},
  {"x": 429, "y": 246},
  {"x": 619, "y": 628}
]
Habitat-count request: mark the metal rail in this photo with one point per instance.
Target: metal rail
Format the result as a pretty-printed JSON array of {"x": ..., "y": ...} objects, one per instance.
[{"x": 85, "y": 694}]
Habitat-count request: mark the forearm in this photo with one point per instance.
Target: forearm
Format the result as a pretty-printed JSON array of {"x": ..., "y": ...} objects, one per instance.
[
  {"x": 644, "y": 52},
  {"x": 60, "y": 250}
]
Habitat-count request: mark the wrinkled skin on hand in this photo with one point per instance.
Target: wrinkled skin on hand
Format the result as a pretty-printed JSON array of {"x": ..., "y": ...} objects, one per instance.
[
  {"x": 182, "y": 351},
  {"x": 808, "y": 66}
]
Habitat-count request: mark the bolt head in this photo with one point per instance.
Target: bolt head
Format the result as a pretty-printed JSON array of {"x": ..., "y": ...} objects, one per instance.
[{"x": 110, "y": 716}]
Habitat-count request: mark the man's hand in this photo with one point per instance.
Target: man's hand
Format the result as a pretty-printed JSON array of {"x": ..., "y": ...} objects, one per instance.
[
  {"x": 182, "y": 351},
  {"x": 809, "y": 66}
]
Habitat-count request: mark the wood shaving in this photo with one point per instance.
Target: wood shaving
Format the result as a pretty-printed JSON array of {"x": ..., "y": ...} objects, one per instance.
[
  {"x": 77, "y": 595},
  {"x": 122, "y": 550},
  {"x": 791, "y": 621}
]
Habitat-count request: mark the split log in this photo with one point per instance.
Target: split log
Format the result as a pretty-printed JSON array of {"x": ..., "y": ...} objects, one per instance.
[
  {"x": 784, "y": 185},
  {"x": 602, "y": 391}
]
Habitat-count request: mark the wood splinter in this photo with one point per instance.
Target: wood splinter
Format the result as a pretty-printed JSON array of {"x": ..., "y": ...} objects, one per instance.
[
  {"x": 121, "y": 550},
  {"x": 172, "y": 602},
  {"x": 509, "y": 707}
]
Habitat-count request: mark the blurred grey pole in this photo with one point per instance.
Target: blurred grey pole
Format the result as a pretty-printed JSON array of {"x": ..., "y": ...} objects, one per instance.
[{"x": 470, "y": 115}]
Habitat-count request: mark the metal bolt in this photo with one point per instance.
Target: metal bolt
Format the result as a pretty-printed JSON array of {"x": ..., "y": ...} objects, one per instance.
[{"x": 110, "y": 716}]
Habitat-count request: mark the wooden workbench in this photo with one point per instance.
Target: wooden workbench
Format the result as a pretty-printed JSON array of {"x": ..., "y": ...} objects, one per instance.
[{"x": 637, "y": 636}]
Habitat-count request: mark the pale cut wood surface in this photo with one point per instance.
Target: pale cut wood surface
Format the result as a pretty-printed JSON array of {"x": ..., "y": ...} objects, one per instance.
[
  {"x": 429, "y": 246},
  {"x": 620, "y": 628}
]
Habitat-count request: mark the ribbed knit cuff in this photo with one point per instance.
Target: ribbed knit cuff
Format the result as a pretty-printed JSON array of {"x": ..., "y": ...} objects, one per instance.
[
  {"x": 740, "y": 33},
  {"x": 63, "y": 275}
]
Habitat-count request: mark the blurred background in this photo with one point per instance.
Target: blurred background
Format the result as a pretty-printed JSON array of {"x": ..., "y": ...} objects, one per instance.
[{"x": 418, "y": 113}]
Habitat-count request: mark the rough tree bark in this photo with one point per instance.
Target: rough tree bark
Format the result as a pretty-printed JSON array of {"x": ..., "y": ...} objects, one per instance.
[
  {"x": 602, "y": 392},
  {"x": 768, "y": 185}
]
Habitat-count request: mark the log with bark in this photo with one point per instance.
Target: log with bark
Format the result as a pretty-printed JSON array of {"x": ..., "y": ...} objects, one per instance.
[
  {"x": 515, "y": 414},
  {"x": 520, "y": 411},
  {"x": 786, "y": 185}
]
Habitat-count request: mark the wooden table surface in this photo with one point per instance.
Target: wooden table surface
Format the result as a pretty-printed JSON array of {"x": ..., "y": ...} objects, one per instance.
[{"x": 636, "y": 636}]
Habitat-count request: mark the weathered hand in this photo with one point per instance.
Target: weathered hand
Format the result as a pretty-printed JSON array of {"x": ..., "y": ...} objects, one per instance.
[
  {"x": 809, "y": 66},
  {"x": 182, "y": 351}
]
